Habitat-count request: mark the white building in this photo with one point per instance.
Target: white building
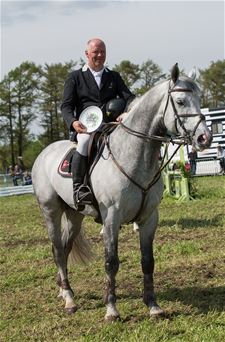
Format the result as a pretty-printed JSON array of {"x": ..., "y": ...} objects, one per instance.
[{"x": 215, "y": 120}]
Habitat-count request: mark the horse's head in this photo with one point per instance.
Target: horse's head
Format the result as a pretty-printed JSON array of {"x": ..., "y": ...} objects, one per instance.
[{"x": 182, "y": 114}]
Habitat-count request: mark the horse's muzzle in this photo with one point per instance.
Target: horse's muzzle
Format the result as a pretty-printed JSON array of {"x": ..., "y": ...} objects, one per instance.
[{"x": 204, "y": 140}]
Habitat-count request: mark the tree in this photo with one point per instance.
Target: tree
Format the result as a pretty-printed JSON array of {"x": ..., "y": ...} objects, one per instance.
[
  {"x": 25, "y": 79},
  {"x": 212, "y": 81},
  {"x": 129, "y": 72},
  {"x": 53, "y": 77},
  {"x": 17, "y": 108},
  {"x": 31, "y": 152},
  {"x": 7, "y": 117},
  {"x": 150, "y": 73}
]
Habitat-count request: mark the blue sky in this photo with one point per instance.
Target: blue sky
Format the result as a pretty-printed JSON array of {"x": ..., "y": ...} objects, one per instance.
[{"x": 188, "y": 32}]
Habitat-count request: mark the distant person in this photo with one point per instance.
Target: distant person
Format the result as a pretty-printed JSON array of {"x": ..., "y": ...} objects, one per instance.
[
  {"x": 221, "y": 157},
  {"x": 192, "y": 156},
  {"x": 17, "y": 175},
  {"x": 27, "y": 180}
]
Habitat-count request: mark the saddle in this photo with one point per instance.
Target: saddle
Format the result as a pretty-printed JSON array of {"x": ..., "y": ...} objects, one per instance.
[{"x": 95, "y": 148}]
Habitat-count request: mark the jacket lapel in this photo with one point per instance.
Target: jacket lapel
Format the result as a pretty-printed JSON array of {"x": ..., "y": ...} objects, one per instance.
[
  {"x": 105, "y": 78},
  {"x": 89, "y": 78}
]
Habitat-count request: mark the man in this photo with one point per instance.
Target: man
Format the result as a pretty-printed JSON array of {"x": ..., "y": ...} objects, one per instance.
[
  {"x": 221, "y": 157},
  {"x": 192, "y": 158},
  {"x": 94, "y": 84}
]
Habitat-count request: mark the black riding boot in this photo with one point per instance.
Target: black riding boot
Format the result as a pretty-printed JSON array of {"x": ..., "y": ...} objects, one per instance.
[{"x": 81, "y": 193}]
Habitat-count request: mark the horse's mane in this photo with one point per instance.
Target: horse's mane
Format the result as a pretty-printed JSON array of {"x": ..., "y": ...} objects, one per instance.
[
  {"x": 189, "y": 84},
  {"x": 138, "y": 99}
]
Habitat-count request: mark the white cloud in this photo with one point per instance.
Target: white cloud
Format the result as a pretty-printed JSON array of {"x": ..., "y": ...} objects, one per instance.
[{"x": 191, "y": 33}]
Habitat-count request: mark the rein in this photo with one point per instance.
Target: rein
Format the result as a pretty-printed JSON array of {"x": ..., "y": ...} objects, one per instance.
[
  {"x": 153, "y": 181},
  {"x": 182, "y": 140}
]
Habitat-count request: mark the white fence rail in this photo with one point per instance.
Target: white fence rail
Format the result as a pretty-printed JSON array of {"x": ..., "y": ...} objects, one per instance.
[
  {"x": 207, "y": 167},
  {"x": 204, "y": 167},
  {"x": 16, "y": 190}
]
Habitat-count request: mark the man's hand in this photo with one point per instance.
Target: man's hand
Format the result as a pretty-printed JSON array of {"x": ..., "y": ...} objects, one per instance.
[
  {"x": 121, "y": 117},
  {"x": 79, "y": 127}
]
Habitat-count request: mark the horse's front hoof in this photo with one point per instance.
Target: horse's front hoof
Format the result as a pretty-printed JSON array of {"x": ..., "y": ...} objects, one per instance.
[
  {"x": 111, "y": 319},
  {"x": 156, "y": 311},
  {"x": 71, "y": 310}
]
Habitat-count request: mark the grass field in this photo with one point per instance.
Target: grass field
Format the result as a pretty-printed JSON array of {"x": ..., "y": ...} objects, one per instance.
[{"x": 189, "y": 276}]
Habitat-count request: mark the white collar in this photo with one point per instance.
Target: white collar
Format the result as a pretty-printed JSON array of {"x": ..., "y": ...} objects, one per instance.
[
  {"x": 97, "y": 73},
  {"x": 86, "y": 67}
]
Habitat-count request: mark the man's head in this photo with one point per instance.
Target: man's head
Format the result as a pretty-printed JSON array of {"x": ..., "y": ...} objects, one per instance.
[{"x": 96, "y": 54}]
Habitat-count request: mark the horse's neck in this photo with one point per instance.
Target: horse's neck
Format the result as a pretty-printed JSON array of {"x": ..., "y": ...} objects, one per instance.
[
  {"x": 148, "y": 110},
  {"x": 138, "y": 155}
]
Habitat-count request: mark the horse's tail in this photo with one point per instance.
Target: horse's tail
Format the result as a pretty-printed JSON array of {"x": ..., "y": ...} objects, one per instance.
[{"x": 81, "y": 250}]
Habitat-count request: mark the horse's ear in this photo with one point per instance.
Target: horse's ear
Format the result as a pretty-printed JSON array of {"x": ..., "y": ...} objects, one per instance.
[
  {"x": 175, "y": 73},
  {"x": 192, "y": 74}
]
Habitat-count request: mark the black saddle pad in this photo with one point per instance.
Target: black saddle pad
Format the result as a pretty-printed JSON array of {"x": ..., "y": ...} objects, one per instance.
[{"x": 64, "y": 168}]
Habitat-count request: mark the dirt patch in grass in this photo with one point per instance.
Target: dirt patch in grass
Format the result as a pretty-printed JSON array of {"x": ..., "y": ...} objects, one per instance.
[{"x": 27, "y": 243}]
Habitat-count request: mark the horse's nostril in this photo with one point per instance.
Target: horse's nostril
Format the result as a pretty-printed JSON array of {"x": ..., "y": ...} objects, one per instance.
[{"x": 202, "y": 139}]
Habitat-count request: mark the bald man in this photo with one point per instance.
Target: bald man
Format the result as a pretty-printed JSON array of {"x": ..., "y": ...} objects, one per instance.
[{"x": 92, "y": 85}]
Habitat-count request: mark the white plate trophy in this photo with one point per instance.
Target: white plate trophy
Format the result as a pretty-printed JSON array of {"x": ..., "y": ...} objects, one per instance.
[{"x": 91, "y": 117}]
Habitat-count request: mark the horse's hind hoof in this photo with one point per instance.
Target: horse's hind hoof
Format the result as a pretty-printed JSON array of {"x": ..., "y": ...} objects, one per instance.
[
  {"x": 156, "y": 311},
  {"x": 71, "y": 311},
  {"x": 111, "y": 319}
]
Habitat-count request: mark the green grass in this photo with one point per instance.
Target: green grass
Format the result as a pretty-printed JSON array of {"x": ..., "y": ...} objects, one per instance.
[{"x": 189, "y": 276}]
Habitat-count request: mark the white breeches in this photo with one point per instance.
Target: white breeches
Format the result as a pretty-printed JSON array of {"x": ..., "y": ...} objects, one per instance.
[{"x": 83, "y": 141}]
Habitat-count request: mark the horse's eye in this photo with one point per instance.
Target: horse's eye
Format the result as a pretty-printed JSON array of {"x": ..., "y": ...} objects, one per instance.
[{"x": 180, "y": 102}]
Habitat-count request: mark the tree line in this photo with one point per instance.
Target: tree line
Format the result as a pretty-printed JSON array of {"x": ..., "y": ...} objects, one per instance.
[{"x": 33, "y": 92}]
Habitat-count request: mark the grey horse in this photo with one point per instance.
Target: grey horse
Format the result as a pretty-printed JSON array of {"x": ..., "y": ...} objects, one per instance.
[{"x": 126, "y": 183}]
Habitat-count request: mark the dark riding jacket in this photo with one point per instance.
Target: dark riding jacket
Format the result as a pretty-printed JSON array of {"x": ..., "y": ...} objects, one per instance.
[{"x": 81, "y": 91}]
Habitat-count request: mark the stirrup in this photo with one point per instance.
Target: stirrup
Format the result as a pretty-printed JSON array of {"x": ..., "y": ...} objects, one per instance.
[{"x": 83, "y": 195}]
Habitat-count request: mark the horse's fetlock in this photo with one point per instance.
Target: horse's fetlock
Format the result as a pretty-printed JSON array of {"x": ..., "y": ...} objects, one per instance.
[
  {"x": 148, "y": 299},
  {"x": 58, "y": 280},
  {"x": 112, "y": 265}
]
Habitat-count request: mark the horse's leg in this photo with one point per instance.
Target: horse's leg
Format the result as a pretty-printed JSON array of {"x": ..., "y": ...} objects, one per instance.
[
  {"x": 71, "y": 224},
  {"x": 110, "y": 236},
  {"x": 53, "y": 211},
  {"x": 147, "y": 231}
]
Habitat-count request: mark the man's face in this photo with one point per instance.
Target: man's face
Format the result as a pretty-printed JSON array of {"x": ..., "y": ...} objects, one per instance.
[{"x": 96, "y": 54}]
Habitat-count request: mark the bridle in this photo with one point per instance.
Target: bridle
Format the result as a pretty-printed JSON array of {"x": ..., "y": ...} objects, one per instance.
[
  {"x": 182, "y": 140},
  {"x": 187, "y": 135}
]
